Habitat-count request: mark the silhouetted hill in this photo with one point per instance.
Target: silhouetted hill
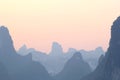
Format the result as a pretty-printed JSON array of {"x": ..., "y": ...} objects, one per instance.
[
  {"x": 109, "y": 68},
  {"x": 74, "y": 69},
  {"x": 19, "y": 67}
]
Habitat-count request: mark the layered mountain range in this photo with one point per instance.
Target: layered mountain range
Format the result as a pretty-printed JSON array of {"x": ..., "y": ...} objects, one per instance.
[
  {"x": 56, "y": 59},
  {"x": 29, "y": 64}
]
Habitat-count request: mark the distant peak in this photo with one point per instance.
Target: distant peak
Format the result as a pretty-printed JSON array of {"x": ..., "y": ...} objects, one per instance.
[
  {"x": 24, "y": 47},
  {"x": 72, "y": 50},
  {"x": 99, "y": 49},
  {"x": 56, "y": 43},
  {"x": 56, "y": 48}
]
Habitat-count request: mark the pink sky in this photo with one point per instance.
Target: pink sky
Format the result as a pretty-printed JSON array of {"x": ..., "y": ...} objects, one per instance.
[{"x": 81, "y": 24}]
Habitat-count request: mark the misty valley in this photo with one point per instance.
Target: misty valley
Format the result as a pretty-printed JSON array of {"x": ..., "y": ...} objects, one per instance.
[{"x": 30, "y": 64}]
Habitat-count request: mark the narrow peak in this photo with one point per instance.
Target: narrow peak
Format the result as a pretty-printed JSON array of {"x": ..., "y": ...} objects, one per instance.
[
  {"x": 56, "y": 46},
  {"x": 55, "y": 43},
  {"x": 56, "y": 49},
  {"x": 99, "y": 49}
]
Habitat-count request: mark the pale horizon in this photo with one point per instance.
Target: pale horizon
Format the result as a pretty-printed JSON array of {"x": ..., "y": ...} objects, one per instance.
[{"x": 79, "y": 24}]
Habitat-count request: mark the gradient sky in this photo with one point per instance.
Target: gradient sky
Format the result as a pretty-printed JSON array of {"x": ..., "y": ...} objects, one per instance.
[{"x": 81, "y": 24}]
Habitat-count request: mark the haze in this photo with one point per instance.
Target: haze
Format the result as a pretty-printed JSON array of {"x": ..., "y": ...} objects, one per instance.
[{"x": 81, "y": 24}]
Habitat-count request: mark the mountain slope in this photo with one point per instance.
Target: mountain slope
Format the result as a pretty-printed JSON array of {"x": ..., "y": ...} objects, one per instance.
[
  {"x": 74, "y": 69},
  {"x": 109, "y": 68},
  {"x": 19, "y": 67}
]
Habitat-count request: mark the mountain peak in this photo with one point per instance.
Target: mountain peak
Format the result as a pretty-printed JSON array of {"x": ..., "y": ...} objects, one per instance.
[
  {"x": 56, "y": 48},
  {"x": 74, "y": 69},
  {"x": 24, "y": 47},
  {"x": 3, "y": 31},
  {"x": 99, "y": 48},
  {"x": 3, "y": 28},
  {"x": 56, "y": 44},
  {"x": 23, "y": 50},
  {"x": 5, "y": 38}
]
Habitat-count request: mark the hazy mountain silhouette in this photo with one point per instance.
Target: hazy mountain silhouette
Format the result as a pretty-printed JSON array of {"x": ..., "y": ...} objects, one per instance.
[
  {"x": 109, "y": 68},
  {"x": 74, "y": 69},
  {"x": 57, "y": 58},
  {"x": 25, "y": 51},
  {"x": 19, "y": 67},
  {"x": 92, "y": 57},
  {"x": 56, "y": 50},
  {"x": 54, "y": 61}
]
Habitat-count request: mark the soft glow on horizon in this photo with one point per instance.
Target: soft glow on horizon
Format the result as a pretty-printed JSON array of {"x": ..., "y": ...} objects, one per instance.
[{"x": 81, "y": 24}]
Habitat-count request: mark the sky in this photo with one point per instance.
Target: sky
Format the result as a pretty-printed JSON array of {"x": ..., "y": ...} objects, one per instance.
[{"x": 80, "y": 24}]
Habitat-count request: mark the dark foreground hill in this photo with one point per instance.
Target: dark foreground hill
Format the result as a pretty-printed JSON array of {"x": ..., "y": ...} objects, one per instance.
[
  {"x": 109, "y": 67},
  {"x": 18, "y": 67},
  {"x": 74, "y": 69}
]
